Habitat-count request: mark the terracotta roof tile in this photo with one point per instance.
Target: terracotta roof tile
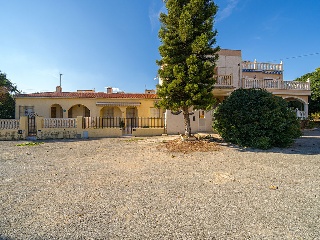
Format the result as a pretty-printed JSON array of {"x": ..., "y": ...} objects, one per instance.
[{"x": 87, "y": 95}]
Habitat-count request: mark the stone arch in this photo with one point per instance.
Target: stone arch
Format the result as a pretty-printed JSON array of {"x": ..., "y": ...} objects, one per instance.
[
  {"x": 296, "y": 103},
  {"x": 56, "y": 111},
  {"x": 78, "y": 110},
  {"x": 299, "y": 105}
]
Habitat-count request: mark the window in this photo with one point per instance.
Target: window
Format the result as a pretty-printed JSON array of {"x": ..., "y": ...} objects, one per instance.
[{"x": 25, "y": 110}]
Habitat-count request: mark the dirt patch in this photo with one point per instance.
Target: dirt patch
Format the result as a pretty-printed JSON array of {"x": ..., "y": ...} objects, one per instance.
[{"x": 177, "y": 145}]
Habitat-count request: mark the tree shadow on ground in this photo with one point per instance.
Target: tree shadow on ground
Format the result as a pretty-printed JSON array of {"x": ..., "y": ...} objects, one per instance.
[{"x": 307, "y": 144}]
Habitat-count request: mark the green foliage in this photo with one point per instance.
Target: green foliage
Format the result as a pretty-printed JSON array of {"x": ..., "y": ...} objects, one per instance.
[
  {"x": 315, "y": 116},
  {"x": 7, "y": 106},
  {"x": 7, "y": 103},
  {"x": 29, "y": 144},
  {"x": 256, "y": 118},
  {"x": 314, "y": 78},
  {"x": 187, "y": 56}
]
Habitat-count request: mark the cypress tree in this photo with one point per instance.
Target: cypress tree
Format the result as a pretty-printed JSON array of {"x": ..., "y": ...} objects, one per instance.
[{"x": 188, "y": 56}]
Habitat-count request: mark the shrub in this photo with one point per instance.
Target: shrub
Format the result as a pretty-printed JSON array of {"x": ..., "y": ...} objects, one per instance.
[
  {"x": 307, "y": 123},
  {"x": 315, "y": 116},
  {"x": 256, "y": 118}
]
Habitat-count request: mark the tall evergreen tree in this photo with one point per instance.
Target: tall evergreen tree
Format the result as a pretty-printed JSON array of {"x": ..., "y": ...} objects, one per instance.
[
  {"x": 188, "y": 56},
  {"x": 7, "y": 103}
]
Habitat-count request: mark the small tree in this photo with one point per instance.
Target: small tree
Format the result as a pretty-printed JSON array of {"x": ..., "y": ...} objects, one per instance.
[
  {"x": 188, "y": 57},
  {"x": 256, "y": 118},
  {"x": 7, "y": 103}
]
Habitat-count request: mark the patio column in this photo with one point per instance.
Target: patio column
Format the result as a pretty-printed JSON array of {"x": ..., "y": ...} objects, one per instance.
[{"x": 306, "y": 109}]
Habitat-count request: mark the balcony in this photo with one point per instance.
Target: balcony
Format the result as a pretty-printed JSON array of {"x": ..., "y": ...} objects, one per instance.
[
  {"x": 224, "y": 81},
  {"x": 248, "y": 66},
  {"x": 274, "y": 84}
]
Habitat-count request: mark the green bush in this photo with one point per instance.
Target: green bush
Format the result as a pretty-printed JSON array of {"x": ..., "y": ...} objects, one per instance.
[{"x": 256, "y": 118}]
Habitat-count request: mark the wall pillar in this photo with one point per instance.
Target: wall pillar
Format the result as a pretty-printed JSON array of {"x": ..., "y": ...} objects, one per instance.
[
  {"x": 306, "y": 109},
  {"x": 39, "y": 126},
  {"x": 79, "y": 125},
  {"x": 39, "y": 122},
  {"x": 64, "y": 113},
  {"x": 23, "y": 126},
  {"x": 123, "y": 112}
]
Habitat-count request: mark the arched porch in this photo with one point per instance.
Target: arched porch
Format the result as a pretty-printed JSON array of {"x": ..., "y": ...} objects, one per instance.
[
  {"x": 56, "y": 111},
  {"x": 78, "y": 110},
  {"x": 299, "y": 105}
]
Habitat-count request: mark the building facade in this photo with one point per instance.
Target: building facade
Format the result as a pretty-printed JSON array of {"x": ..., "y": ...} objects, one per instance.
[
  {"x": 232, "y": 73},
  {"x": 135, "y": 113}
]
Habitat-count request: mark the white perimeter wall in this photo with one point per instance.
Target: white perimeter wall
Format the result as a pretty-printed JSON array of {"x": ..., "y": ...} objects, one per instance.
[{"x": 175, "y": 123}]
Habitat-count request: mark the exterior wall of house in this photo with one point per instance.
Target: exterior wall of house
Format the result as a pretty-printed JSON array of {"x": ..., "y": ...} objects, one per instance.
[
  {"x": 12, "y": 129},
  {"x": 42, "y": 106},
  {"x": 143, "y": 132},
  {"x": 260, "y": 70},
  {"x": 200, "y": 121},
  {"x": 229, "y": 63}
]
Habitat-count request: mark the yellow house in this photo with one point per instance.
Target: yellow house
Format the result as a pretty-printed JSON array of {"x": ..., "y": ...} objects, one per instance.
[
  {"x": 86, "y": 103},
  {"x": 94, "y": 114}
]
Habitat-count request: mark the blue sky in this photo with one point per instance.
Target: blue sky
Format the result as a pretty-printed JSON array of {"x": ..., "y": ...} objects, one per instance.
[{"x": 100, "y": 43}]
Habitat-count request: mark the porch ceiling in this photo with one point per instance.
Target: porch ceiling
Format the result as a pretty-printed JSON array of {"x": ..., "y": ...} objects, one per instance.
[{"x": 117, "y": 104}]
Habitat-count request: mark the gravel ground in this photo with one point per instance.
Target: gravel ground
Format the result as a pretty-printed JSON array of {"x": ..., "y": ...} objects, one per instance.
[{"x": 122, "y": 188}]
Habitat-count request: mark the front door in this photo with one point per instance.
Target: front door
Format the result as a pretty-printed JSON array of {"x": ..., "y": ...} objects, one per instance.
[
  {"x": 131, "y": 120},
  {"x": 53, "y": 112},
  {"x": 202, "y": 121},
  {"x": 32, "y": 129}
]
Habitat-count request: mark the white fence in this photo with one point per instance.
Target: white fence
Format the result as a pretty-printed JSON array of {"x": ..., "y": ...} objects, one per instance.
[
  {"x": 9, "y": 124},
  {"x": 59, "y": 123},
  {"x": 262, "y": 66},
  {"x": 274, "y": 84},
  {"x": 224, "y": 80}
]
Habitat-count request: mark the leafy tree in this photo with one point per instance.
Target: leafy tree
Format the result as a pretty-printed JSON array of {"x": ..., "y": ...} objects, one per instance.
[
  {"x": 256, "y": 118},
  {"x": 187, "y": 56},
  {"x": 7, "y": 103},
  {"x": 314, "y": 78}
]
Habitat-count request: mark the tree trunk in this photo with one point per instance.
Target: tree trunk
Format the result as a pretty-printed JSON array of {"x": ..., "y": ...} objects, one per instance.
[{"x": 186, "y": 117}]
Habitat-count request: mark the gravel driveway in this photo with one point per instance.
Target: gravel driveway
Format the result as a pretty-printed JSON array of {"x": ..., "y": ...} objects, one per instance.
[{"x": 122, "y": 188}]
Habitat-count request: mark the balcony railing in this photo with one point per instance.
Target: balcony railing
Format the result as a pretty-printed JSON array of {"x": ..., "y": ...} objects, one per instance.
[
  {"x": 224, "y": 80},
  {"x": 59, "y": 122},
  {"x": 258, "y": 66},
  {"x": 9, "y": 124},
  {"x": 274, "y": 84},
  {"x": 117, "y": 122}
]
